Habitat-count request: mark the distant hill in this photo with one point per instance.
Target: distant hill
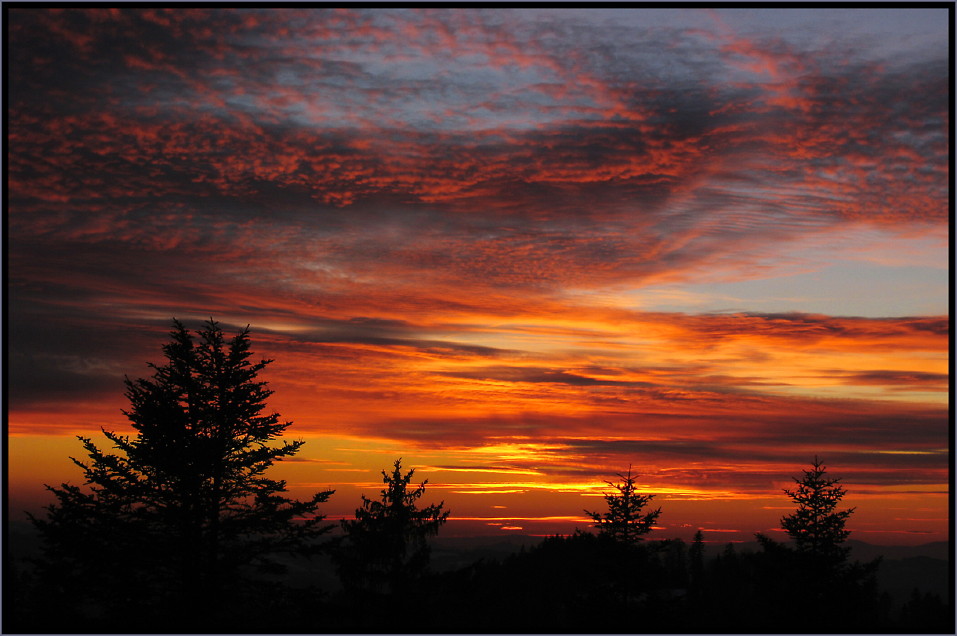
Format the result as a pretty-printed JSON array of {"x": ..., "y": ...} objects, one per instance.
[{"x": 863, "y": 551}]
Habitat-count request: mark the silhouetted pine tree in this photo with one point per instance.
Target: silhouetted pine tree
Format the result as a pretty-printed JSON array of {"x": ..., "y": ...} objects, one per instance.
[
  {"x": 817, "y": 527},
  {"x": 625, "y": 520},
  {"x": 815, "y": 573},
  {"x": 165, "y": 526},
  {"x": 386, "y": 546}
]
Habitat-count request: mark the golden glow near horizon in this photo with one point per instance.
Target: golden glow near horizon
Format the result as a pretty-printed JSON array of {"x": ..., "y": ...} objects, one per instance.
[{"x": 492, "y": 498}]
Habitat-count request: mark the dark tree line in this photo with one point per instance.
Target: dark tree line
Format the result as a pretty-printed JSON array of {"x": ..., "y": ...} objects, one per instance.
[{"x": 181, "y": 530}]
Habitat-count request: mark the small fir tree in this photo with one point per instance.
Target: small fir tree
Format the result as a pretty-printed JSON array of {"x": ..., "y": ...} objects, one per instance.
[
  {"x": 169, "y": 522},
  {"x": 817, "y": 527},
  {"x": 386, "y": 545},
  {"x": 625, "y": 520}
]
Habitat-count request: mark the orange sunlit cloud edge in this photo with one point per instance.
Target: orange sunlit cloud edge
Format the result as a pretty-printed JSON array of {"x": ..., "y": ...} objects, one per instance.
[{"x": 477, "y": 270}]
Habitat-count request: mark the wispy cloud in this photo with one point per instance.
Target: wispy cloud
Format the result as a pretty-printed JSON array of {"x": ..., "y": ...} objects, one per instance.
[{"x": 451, "y": 228}]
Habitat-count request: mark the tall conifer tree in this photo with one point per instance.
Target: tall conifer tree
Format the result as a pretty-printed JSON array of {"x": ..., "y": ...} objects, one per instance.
[
  {"x": 817, "y": 527},
  {"x": 170, "y": 521}
]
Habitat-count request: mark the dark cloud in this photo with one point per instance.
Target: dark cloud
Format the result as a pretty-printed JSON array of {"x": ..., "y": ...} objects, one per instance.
[
  {"x": 768, "y": 427},
  {"x": 537, "y": 374},
  {"x": 900, "y": 378},
  {"x": 814, "y": 328},
  {"x": 478, "y": 468},
  {"x": 740, "y": 461},
  {"x": 388, "y": 333}
]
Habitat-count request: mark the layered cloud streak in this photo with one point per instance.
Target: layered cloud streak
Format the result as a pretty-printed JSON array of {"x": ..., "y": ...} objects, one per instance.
[{"x": 443, "y": 225}]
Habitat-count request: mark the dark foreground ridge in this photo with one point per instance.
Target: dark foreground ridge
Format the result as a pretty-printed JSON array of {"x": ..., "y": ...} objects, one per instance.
[{"x": 520, "y": 584}]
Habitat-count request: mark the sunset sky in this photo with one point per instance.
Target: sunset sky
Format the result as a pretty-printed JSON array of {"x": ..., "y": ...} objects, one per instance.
[{"x": 522, "y": 249}]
